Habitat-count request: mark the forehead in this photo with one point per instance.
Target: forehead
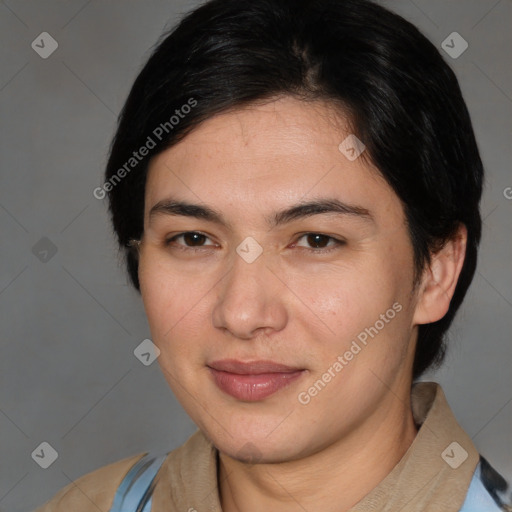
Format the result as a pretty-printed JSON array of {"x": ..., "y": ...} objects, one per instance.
[
  {"x": 282, "y": 151},
  {"x": 284, "y": 127}
]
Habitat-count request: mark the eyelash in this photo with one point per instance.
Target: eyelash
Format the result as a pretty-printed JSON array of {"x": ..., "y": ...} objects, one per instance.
[{"x": 337, "y": 242}]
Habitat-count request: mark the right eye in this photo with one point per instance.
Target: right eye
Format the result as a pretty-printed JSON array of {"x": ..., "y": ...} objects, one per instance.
[{"x": 192, "y": 239}]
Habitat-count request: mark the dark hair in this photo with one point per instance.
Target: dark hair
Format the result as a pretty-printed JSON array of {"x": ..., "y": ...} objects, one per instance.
[{"x": 403, "y": 100}]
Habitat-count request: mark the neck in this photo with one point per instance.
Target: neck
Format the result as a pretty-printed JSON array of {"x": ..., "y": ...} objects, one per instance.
[{"x": 334, "y": 479}]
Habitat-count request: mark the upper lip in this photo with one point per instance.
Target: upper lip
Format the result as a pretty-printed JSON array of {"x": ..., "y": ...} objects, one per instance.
[{"x": 251, "y": 367}]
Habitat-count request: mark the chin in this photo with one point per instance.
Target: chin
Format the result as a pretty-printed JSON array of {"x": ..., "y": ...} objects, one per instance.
[{"x": 254, "y": 448}]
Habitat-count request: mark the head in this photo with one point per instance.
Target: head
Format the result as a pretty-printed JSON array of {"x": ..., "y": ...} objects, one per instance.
[{"x": 247, "y": 121}]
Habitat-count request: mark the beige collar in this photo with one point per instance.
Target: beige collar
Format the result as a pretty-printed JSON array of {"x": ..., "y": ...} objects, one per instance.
[{"x": 431, "y": 477}]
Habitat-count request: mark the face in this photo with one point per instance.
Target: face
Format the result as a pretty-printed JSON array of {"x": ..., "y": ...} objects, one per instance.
[{"x": 264, "y": 244}]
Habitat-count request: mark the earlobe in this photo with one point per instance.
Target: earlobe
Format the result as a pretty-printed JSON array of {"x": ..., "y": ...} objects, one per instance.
[{"x": 440, "y": 279}]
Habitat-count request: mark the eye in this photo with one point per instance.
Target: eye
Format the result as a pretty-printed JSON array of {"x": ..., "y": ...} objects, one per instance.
[
  {"x": 191, "y": 238},
  {"x": 314, "y": 242},
  {"x": 320, "y": 242}
]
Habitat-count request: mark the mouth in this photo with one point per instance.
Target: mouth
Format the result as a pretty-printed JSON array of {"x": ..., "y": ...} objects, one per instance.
[{"x": 254, "y": 380}]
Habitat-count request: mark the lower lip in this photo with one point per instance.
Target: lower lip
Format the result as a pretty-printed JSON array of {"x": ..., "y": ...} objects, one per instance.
[{"x": 251, "y": 388}]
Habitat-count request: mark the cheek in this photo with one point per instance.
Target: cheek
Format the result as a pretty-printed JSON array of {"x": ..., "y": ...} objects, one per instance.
[
  {"x": 355, "y": 304},
  {"x": 336, "y": 310},
  {"x": 343, "y": 298},
  {"x": 172, "y": 301}
]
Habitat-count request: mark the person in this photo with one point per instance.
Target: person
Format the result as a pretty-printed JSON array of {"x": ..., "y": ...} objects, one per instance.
[{"x": 296, "y": 188}]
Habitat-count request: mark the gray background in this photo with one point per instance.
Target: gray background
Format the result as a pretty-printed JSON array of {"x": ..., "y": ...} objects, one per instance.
[{"x": 69, "y": 325}]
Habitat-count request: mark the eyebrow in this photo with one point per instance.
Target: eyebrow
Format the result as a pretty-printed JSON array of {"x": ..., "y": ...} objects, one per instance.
[{"x": 302, "y": 210}]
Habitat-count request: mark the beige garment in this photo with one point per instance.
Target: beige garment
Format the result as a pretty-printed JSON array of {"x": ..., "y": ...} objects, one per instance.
[{"x": 423, "y": 480}]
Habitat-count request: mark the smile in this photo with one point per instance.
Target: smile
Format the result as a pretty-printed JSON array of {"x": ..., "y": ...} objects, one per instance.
[{"x": 252, "y": 381}]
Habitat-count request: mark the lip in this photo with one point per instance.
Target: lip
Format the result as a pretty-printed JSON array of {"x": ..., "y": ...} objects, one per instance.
[{"x": 254, "y": 380}]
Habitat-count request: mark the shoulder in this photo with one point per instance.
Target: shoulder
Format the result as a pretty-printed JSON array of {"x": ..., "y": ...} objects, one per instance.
[
  {"x": 93, "y": 491},
  {"x": 488, "y": 491}
]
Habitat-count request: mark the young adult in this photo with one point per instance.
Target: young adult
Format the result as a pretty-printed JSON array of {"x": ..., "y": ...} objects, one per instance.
[{"x": 296, "y": 185}]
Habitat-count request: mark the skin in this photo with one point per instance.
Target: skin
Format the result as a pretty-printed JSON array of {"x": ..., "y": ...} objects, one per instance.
[{"x": 292, "y": 305}]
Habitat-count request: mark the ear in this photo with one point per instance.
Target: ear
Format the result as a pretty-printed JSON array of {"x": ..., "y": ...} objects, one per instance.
[{"x": 440, "y": 279}]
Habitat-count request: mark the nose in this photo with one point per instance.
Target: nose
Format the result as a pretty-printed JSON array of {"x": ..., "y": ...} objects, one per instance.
[{"x": 250, "y": 300}]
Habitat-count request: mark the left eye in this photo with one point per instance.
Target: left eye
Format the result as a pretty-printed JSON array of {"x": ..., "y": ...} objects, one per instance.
[{"x": 319, "y": 241}]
